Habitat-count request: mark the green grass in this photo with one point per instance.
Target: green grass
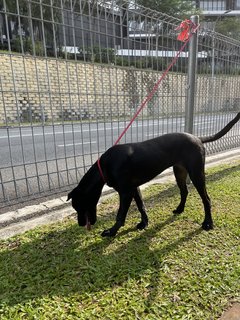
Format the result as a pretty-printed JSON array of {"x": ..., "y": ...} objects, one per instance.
[{"x": 171, "y": 270}]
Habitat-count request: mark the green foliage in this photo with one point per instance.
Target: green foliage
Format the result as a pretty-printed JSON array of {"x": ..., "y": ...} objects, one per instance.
[
  {"x": 176, "y": 8},
  {"x": 229, "y": 27},
  {"x": 171, "y": 270},
  {"x": 22, "y": 46},
  {"x": 39, "y": 48},
  {"x": 25, "y": 46},
  {"x": 103, "y": 55},
  {"x": 97, "y": 54}
]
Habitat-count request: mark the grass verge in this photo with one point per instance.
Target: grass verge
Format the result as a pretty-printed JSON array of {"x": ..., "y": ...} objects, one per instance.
[{"x": 171, "y": 270}]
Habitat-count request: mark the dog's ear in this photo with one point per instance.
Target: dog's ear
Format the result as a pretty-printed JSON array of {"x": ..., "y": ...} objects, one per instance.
[{"x": 69, "y": 196}]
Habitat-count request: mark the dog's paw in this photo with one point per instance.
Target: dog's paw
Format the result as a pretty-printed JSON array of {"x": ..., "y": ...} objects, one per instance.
[
  {"x": 207, "y": 226},
  {"x": 142, "y": 225},
  {"x": 108, "y": 233}
]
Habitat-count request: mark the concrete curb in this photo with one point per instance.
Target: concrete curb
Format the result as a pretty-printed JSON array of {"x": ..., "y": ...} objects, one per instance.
[{"x": 21, "y": 220}]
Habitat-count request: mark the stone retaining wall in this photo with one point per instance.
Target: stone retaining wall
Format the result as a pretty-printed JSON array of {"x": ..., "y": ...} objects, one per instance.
[{"x": 39, "y": 89}]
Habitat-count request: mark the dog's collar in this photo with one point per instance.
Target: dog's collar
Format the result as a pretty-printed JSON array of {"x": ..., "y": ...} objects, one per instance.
[{"x": 100, "y": 170}]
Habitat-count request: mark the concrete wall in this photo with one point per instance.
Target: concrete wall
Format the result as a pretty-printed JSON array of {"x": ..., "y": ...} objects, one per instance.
[
  {"x": 33, "y": 88},
  {"x": 39, "y": 89}
]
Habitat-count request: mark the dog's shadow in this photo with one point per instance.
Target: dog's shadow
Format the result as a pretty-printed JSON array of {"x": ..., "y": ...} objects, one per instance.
[
  {"x": 67, "y": 262},
  {"x": 71, "y": 260}
]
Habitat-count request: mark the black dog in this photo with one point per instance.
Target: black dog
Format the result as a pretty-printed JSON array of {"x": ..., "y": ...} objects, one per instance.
[{"x": 125, "y": 167}]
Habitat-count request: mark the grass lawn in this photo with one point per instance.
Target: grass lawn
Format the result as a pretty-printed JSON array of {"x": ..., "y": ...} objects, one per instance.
[{"x": 171, "y": 270}]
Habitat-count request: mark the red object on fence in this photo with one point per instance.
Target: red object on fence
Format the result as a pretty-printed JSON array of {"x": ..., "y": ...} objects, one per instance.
[
  {"x": 188, "y": 28},
  {"x": 185, "y": 26}
]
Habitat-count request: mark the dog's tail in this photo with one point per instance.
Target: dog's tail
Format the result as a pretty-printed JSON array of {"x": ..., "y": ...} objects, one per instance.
[{"x": 221, "y": 133}]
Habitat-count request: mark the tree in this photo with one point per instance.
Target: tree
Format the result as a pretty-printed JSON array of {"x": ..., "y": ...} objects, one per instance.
[
  {"x": 177, "y": 8},
  {"x": 230, "y": 27},
  {"x": 29, "y": 13}
]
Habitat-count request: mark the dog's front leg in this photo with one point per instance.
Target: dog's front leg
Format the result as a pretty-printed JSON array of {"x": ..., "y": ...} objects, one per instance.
[{"x": 125, "y": 201}]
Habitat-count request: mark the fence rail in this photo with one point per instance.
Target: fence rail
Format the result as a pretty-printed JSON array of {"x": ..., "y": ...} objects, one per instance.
[{"x": 72, "y": 75}]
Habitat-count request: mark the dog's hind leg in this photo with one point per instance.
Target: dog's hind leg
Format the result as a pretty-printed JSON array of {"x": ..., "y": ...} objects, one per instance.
[
  {"x": 181, "y": 176},
  {"x": 125, "y": 201},
  {"x": 198, "y": 179},
  {"x": 139, "y": 201}
]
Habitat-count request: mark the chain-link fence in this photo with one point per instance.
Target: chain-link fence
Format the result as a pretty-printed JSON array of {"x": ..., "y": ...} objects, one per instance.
[{"x": 72, "y": 74}]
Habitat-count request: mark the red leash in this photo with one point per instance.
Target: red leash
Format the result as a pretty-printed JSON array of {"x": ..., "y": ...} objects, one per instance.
[
  {"x": 188, "y": 29},
  {"x": 100, "y": 170}
]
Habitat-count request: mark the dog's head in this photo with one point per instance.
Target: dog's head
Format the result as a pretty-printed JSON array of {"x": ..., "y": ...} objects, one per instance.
[{"x": 86, "y": 211}]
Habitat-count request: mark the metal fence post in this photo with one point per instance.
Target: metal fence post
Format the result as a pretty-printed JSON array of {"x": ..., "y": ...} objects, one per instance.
[{"x": 192, "y": 63}]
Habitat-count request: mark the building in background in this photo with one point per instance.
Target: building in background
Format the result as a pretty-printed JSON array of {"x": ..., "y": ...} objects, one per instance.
[{"x": 214, "y": 9}]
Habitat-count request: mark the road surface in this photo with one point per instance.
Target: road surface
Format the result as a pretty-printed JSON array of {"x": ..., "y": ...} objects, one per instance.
[{"x": 38, "y": 158}]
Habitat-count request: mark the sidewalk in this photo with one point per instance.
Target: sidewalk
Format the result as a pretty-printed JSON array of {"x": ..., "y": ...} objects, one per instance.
[{"x": 21, "y": 220}]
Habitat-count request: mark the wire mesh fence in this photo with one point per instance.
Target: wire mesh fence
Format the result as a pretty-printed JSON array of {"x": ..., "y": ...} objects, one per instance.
[{"x": 74, "y": 72}]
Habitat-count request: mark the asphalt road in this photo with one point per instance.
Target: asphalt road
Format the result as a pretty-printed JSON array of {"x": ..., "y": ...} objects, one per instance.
[
  {"x": 33, "y": 144},
  {"x": 48, "y": 155}
]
